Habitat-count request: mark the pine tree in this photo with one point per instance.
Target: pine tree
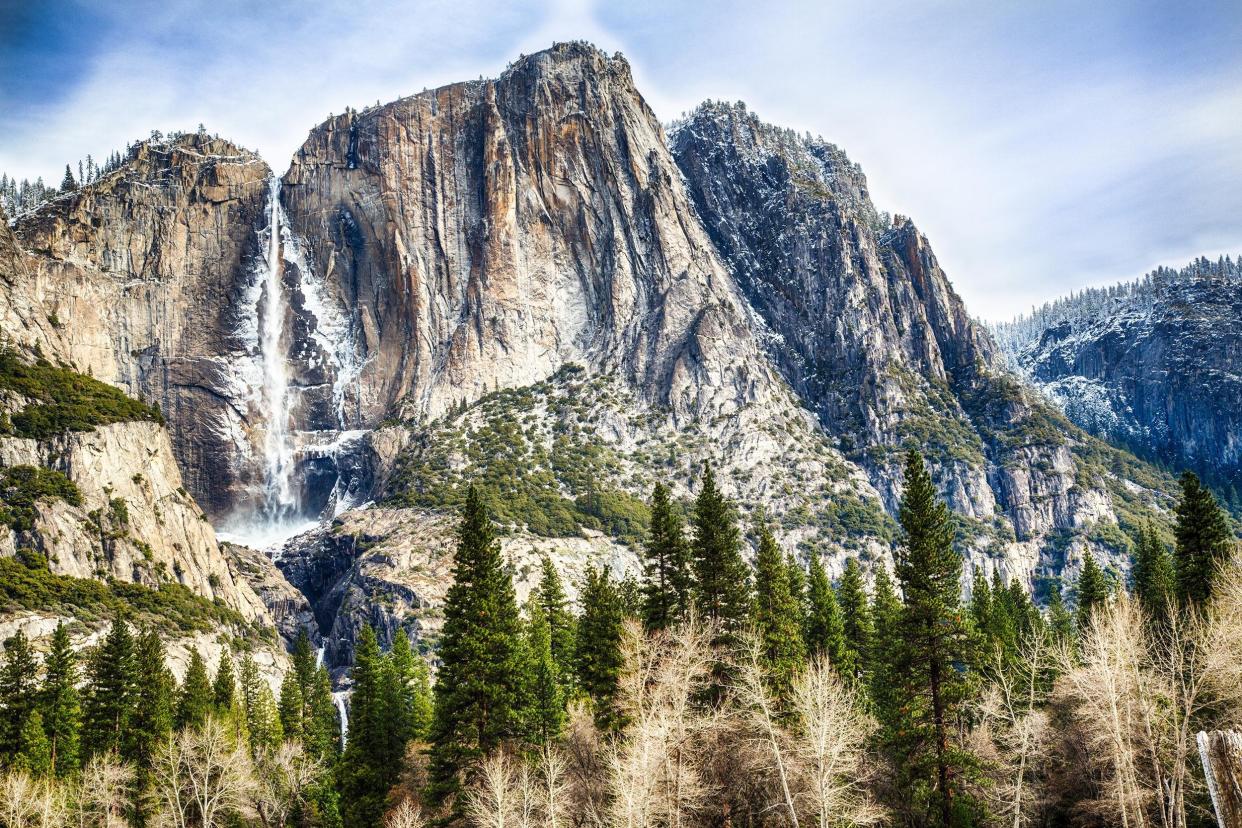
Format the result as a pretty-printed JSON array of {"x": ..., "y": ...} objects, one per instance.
[
  {"x": 1060, "y": 622},
  {"x": 1092, "y": 591},
  {"x": 886, "y": 652},
  {"x": 261, "y": 712},
  {"x": 18, "y": 692},
  {"x": 303, "y": 660},
  {"x": 552, "y": 603},
  {"x": 1154, "y": 576},
  {"x": 548, "y": 698},
  {"x": 151, "y": 718},
  {"x": 291, "y": 706},
  {"x": 599, "y": 646},
  {"x": 59, "y": 703},
  {"x": 934, "y": 644},
  {"x": 224, "y": 688},
  {"x": 1203, "y": 541},
  {"x": 797, "y": 584},
  {"x": 110, "y": 692},
  {"x": 722, "y": 577},
  {"x": 34, "y": 753},
  {"x": 825, "y": 627},
  {"x": 855, "y": 617},
  {"x": 778, "y": 617},
  {"x": 321, "y": 726},
  {"x": 67, "y": 184},
  {"x": 194, "y": 701},
  {"x": 666, "y": 565},
  {"x": 368, "y": 769},
  {"x": 480, "y": 688}
]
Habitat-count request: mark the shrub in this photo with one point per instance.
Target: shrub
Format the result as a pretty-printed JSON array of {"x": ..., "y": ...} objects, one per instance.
[{"x": 22, "y": 486}]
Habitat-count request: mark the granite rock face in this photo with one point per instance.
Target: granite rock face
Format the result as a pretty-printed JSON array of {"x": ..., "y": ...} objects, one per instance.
[
  {"x": 138, "y": 279},
  {"x": 1154, "y": 365}
]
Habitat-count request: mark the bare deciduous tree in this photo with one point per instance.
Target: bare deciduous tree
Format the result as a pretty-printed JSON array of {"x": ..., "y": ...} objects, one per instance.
[
  {"x": 202, "y": 777},
  {"x": 102, "y": 792},
  {"x": 493, "y": 801},
  {"x": 405, "y": 815},
  {"x": 281, "y": 779}
]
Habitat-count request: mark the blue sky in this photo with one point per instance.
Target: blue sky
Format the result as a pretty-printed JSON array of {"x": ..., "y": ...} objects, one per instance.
[{"x": 1042, "y": 146}]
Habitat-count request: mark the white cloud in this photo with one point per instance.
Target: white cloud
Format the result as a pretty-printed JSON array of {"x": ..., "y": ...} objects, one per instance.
[{"x": 1038, "y": 151}]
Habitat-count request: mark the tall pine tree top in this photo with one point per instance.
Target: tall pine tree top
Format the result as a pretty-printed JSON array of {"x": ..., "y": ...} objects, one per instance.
[
  {"x": 723, "y": 577},
  {"x": 1203, "y": 540},
  {"x": 778, "y": 616},
  {"x": 666, "y": 564},
  {"x": 1092, "y": 591},
  {"x": 481, "y": 688}
]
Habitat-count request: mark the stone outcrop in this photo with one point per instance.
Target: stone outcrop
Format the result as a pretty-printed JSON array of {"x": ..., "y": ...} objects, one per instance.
[
  {"x": 1153, "y": 365},
  {"x": 138, "y": 279}
]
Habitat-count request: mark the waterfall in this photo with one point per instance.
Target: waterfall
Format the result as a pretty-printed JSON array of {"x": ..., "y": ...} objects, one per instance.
[
  {"x": 319, "y": 657},
  {"x": 284, "y": 300},
  {"x": 280, "y": 501},
  {"x": 342, "y": 709}
]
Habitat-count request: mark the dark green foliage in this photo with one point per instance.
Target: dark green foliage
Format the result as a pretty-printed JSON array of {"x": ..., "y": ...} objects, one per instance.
[
  {"x": 778, "y": 618},
  {"x": 855, "y": 618},
  {"x": 480, "y": 689},
  {"x": 318, "y": 719},
  {"x": 110, "y": 692},
  {"x": 547, "y": 713},
  {"x": 666, "y": 565},
  {"x": 1060, "y": 621},
  {"x": 18, "y": 692},
  {"x": 262, "y": 714},
  {"x": 886, "y": 612},
  {"x": 1092, "y": 591},
  {"x": 555, "y": 487},
  {"x": 22, "y": 486},
  {"x": 64, "y": 400},
  {"x": 934, "y": 649},
  {"x": 31, "y": 586},
  {"x": 34, "y": 754},
  {"x": 1203, "y": 540},
  {"x": 151, "y": 718},
  {"x": 722, "y": 577},
  {"x": 368, "y": 767},
  {"x": 550, "y": 600},
  {"x": 599, "y": 646},
  {"x": 59, "y": 703},
  {"x": 224, "y": 688},
  {"x": 825, "y": 630},
  {"x": 194, "y": 701},
  {"x": 1153, "y": 576}
]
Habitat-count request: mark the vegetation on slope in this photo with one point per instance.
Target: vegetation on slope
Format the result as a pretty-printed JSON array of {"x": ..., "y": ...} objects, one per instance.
[{"x": 63, "y": 400}]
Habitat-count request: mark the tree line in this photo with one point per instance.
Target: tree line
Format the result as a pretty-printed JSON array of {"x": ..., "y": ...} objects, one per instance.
[{"x": 717, "y": 693}]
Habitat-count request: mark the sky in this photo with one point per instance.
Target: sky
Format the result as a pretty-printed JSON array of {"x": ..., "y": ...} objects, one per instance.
[{"x": 1041, "y": 146}]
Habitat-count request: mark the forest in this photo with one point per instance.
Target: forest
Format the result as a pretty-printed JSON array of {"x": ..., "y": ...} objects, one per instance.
[{"x": 713, "y": 691}]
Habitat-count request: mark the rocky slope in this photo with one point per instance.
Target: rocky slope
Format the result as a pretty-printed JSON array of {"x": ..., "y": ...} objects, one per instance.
[{"x": 1155, "y": 365}]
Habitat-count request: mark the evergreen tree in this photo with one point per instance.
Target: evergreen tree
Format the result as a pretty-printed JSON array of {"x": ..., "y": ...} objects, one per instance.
[
  {"x": 886, "y": 614},
  {"x": 321, "y": 726},
  {"x": 548, "y": 699},
  {"x": 666, "y": 565},
  {"x": 291, "y": 706},
  {"x": 368, "y": 767},
  {"x": 934, "y": 643},
  {"x": 303, "y": 660},
  {"x": 1154, "y": 576},
  {"x": 797, "y": 585},
  {"x": 151, "y": 718},
  {"x": 34, "y": 753},
  {"x": 1092, "y": 590},
  {"x": 778, "y": 617},
  {"x": 68, "y": 184},
  {"x": 59, "y": 703},
  {"x": 551, "y": 602},
  {"x": 194, "y": 702},
  {"x": 722, "y": 577},
  {"x": 224, "y": 689},
  {"x": 110, "y": 692},
  {"x": 262, "y": 716},
  {"x": 825, "y": 627},
  {"x": 1060, "y": 622},
  {"x": 855, "y": 617},
  {"x": 481, "y": 685},
  {"x": 1203, "y": 541},
  {"x": 599, "y": 646},
  {"x": 18, "y": 692}
]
